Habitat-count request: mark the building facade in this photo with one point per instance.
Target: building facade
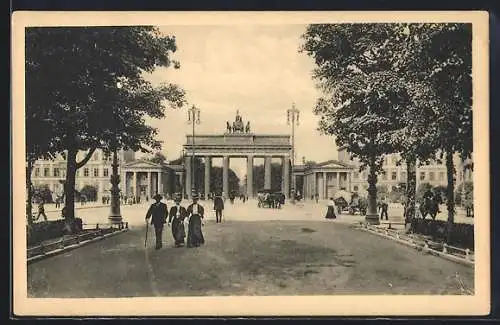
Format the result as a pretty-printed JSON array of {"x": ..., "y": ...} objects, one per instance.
[
  {"x": 138, "y": 178},
  {"x": 323, "y": 179},
  {"x": 96, "y": 172},
  {"x": 395, "y": 173}
]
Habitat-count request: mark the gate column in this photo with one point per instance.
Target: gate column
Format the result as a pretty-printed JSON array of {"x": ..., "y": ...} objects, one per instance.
[
  {"x": 208, "y": 166},
  {"x": 225, "y": 176},
  {"x": 187, "y": 164},
  {"x": 267, "y": 172},
  {"x": 250, "y": 176},
  {"x": 285, "y": 176}
]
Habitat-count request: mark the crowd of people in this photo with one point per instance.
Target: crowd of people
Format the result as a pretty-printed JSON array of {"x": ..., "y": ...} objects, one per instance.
[{"x": 178, "y": 218}]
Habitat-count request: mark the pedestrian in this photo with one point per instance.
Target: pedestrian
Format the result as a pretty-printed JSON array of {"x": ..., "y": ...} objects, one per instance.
[
  {"x": 384, "y": 206},
  {"x": 330, "y": 210},
  {"x": 195, "y": 214},
  {"x": 41, "y": 211},
  {"x": 176, "y": 218},
  {"x": 218, "y": 207},
  {"x": 158, "y": 213},
  {"x": 317, "y": 197}
]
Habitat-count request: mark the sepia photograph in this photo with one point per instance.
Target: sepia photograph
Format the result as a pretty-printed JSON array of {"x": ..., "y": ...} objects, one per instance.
[{"x": 250, "y": 163}]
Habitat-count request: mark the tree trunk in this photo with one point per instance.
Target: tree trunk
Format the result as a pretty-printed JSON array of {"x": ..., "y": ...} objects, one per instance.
[
  {"x": 411, "y": 189},
  {"x": 29, "y": 206},
  {"x": 69, "y": 190},
  {"x": 450, "y": 199},
  {"x": 372, "y": 213}
]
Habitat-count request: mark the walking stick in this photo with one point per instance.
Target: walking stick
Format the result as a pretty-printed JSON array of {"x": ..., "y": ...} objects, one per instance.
[{"x": 146, "y": 239}]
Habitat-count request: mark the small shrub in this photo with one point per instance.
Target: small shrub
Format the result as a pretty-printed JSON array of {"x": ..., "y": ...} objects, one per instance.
[
  {"x": 45, "y": 230},
  {"x": 462, "y": 235}
]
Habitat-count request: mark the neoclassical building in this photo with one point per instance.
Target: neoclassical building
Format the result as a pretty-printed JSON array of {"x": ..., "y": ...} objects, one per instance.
[
  {"x": 142, "y": 178},
  {"x": 323, "y": 179}
]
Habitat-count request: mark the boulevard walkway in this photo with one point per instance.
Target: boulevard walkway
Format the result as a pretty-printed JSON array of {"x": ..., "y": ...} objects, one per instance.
[{"x": 253, "y": 252}]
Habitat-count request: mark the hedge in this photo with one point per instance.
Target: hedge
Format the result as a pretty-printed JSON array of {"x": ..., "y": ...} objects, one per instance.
[
  {"x": 462, "y": 235},
  {"x": 45, "y": 230}
]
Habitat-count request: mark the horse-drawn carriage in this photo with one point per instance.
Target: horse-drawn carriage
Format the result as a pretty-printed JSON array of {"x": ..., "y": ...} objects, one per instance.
[
  {"x": 270, "y": 199},
  {"x": 350, "y": 202}
]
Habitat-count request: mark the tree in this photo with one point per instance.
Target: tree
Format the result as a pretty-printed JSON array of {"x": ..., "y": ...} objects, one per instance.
[
  {"x": 42, "y": 193},
  {"x": 84, "y": 105},
  {"x": 422, "y": 188},
  {"x": 90, "y": 192},
  {"x": 158, "y": 158},
  {"x": 361, "y": 94},
  {"x": 416, "y": 71}
]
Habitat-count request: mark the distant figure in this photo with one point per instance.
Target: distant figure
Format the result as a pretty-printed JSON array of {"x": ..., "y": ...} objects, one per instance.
[
  {"x": 158, "y": 212},
  {"x": 176, "y": 218},
  {"x": 228, "y": 127},
  {"x": 384, "y": 206},
  {"x": 330, "y": 210},
  {"x": 317, "y": 197},
  {"x": 195, "y": 214},
  {"x": 247, "y": 128},
  {"x": 218, "y": 207},
  {"x": 41, "y": 211}
]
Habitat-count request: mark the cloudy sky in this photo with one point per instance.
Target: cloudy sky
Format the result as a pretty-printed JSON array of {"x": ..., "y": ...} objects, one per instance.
[{"x": 255, "y": 69}]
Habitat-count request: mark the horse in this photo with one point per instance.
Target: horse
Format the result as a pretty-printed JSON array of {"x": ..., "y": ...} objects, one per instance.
[{"x": 429, "y": 207}]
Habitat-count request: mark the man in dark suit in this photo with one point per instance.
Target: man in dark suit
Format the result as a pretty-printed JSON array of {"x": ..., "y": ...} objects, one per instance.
[
  {"x": 218, "y": 207},
  {"x": 158, "y": 213}
]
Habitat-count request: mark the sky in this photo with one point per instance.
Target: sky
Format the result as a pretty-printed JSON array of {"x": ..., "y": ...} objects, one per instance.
[{"x": 256, "y": 69}]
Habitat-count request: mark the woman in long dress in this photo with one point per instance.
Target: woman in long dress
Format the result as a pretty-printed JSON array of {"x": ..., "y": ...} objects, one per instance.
[
  {"x": 195, "y": 213},
  {"x": 176, "y": 217},
  {"x": 330, "y": 211}
]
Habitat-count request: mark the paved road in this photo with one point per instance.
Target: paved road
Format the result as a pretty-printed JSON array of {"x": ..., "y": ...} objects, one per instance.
[{"x": 254, "y": 252}]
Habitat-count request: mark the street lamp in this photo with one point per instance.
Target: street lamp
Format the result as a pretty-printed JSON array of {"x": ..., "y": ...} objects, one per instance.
[
  {"x": 193, "y": 118},
  {"x": 115, "y": 216},
  {"x": 292, "y": 118}
]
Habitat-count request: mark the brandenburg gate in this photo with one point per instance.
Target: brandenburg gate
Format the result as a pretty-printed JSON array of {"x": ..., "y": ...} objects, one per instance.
[{"x": 238, "y": 142}]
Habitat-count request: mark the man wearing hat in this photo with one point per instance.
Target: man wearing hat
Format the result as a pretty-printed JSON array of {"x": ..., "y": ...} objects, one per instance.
[
  {"x": 158, "y": 213},
  {"x": 176, "y": 218},
  {"x": 218, "y": 207}
]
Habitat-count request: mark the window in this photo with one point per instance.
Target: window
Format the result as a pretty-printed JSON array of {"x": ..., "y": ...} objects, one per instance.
[
  {"x": 105, "y": 172},
  {"x": 96, "y": 156},
  {"x": 37, "y": 172},
  {"x": 77, "y": 173},
  {"x": 394, "y": 176},
  {"x": 96, "y": 172},
  {"x": 384, "y": 175},
  {"x": 56, "y": 172},
  {"x": 355, "y": 175},
  {"x": 403, "y": 176},
  {"x": 46, "y": 172},
  {"x": 422, "y": 176},
  {"x": 63, "y": 172},
  {"x": 394, "y": 160},
  {"x": 85, "y": 172},
  {"x": 364, "y": 175},
  {"x": 431, "y": 176},
  {"x": 355, "y": 188},
  {"x": 441, "y": 176}
]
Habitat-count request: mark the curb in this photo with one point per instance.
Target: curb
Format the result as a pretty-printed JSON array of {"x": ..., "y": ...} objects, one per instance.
[
  {"x": 74, "y": 246},
  {"x": 80, "y": 208},
  {"x": 423, "y": 249}
]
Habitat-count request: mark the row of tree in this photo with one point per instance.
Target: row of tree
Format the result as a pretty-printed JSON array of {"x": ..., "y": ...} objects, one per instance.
[
  {"x": 395, "y": 88},
  {"x": 85, "y": 90}
]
